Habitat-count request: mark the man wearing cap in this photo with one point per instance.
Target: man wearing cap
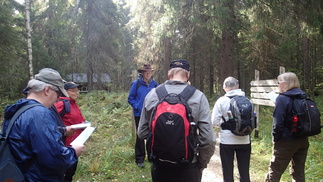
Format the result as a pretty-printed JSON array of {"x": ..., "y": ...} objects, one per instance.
[
  {"x": 35, "y": 140},
  {"x": 138, "y": 91},
  {"x": 178, "y": 76}
]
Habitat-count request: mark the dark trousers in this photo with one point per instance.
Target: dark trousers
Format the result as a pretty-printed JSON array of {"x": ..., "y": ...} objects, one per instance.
[
  {"x": 284, "y": 152},
  {"x": 70, "y": 173},
  {"x": 189, "y": 173},
  {"x": 243, "y": 160},
  {"x": 140, "y": 146}
]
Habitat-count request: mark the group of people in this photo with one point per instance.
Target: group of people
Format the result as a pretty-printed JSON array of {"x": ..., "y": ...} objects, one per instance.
[
  {"x": 286, "y": 147},
  {"x": 40, "y": 139}
]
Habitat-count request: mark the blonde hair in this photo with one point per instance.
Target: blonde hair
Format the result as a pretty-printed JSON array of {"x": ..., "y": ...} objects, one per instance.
[
  {"x": 291, "y": 80},
  {"x": 183, "y": 73}
]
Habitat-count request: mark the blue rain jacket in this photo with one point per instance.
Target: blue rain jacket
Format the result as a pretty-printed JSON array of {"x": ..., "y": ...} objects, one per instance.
[
  {"x": 36, "y": 143},
  {"x": 136, "y": 96}
]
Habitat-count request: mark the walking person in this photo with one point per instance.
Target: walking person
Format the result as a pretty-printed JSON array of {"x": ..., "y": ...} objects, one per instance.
[
  {"x": 35, "y": 141},
  {"x": 230, "y": 144},
  {"x": 287, "y": 147},
  {"x": 187, "y": 172},
  {"x": 138, "y": 91}
]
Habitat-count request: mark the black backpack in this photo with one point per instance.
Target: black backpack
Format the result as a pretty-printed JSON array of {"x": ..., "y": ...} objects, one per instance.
[
  {"x": 172, "y": 139},
  {"x": 306, "y": 118},
  {"x": 242, "y": 120},
  {"x": 8, "y": 168},
  {"x": 66, "y": 108}
]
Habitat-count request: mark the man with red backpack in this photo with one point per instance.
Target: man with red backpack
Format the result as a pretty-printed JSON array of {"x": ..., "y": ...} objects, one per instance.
[{"x": 176, "y": 122}]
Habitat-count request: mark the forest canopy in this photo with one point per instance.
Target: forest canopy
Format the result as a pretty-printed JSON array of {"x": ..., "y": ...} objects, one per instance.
[{"x": 104, "y": 37}]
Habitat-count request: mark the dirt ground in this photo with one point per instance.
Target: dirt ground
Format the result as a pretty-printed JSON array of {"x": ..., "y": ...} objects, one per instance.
[{"x": 213, "y": 172}]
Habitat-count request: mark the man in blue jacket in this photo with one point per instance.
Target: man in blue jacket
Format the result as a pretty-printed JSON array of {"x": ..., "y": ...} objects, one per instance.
[
  {"x": 35, "y": 141},
  {"x": 138, "y": 91}
]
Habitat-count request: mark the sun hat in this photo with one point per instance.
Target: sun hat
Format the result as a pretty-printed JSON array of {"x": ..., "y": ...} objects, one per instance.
[
  {"x": 70, "y": 85},
  {"x": 145, "y": 67},
  {"x": 181, "y": 63},
  {"x": 52, "y": 77}
]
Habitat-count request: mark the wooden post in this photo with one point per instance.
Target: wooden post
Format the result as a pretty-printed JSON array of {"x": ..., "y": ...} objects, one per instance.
[
  {"x": 261, "y": 94},
  {"x": 281, "y": 69},
  {"x": 256, "y": 108}
]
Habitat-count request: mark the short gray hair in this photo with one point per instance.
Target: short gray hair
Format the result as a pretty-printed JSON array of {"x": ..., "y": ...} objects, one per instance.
[
  {"x": 38, "y": 86},
  {"x": 231, "y": 83}
]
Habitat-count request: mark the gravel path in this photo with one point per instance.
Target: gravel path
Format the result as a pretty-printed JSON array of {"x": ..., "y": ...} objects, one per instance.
[{"x": 213, "y": 172}]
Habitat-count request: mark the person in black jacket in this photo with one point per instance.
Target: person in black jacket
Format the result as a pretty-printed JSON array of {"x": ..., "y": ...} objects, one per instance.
[{"x": 287, "y": 147}]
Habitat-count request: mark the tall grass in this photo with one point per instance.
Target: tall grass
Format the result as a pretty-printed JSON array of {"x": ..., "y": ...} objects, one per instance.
[{"x": 109, "y": 153}]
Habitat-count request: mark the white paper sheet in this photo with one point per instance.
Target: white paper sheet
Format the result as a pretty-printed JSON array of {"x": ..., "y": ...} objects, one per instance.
[
  {"x": 272, "y": 96},
  {"x": 79, "y": 126},
  {"x": 80, "y": 140}
]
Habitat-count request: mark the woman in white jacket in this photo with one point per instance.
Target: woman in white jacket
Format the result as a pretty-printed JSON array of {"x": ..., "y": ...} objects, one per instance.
[{"x": 231, "y": 144}]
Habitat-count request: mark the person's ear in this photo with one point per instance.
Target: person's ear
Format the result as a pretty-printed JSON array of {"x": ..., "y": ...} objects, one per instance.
[{"x": 47, "y": 90}]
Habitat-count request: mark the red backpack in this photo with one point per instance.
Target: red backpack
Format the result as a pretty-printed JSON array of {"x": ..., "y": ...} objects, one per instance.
[{"x": 172, "y": 139}]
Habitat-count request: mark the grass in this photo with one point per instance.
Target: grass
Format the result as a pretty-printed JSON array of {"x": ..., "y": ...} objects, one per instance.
[{"x": 109, "y": 152}]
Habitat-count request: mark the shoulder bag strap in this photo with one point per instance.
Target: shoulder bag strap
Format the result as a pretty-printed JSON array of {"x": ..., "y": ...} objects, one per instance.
[
  {"x": 161, "y": 91},
  {"x": 187, "y": 92},
  {"x": 16, "y": 115}
]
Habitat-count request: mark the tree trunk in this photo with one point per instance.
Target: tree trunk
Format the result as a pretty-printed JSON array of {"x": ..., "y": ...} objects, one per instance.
[
  {"x": 227, "y": 43},
  {"x": 306, "y": 62},
  {"x": 29, "y": 45},
  {"x": 90, "y": 56},
  {"x": 167, "y": 56}
]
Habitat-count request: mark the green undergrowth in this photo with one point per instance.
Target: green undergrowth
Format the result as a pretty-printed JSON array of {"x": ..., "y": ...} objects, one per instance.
[{"x": 109, "y": 152}]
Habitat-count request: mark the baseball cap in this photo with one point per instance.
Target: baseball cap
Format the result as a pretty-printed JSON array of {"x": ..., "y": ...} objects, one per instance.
[
  {"x": 70, "y": 85},
  {"x": 181, "y": 63},
  {"x": 52, "y": 77}
]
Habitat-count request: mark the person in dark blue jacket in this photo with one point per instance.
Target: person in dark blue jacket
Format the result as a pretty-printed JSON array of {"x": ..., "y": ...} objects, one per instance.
[
  {"x": 287, "y": 147},
  {"x": 35, "y": 141},
  {"x": 138, "y": 91}
]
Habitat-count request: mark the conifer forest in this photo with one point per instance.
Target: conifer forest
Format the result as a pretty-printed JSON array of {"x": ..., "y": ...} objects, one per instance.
[{"x": 219, "y": 38}]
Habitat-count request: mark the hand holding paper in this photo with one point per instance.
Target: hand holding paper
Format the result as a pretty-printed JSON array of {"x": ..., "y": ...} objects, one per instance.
[
  {"x": 83, "y": 136},
  {"x": 80, "y": 126},
  {"x": 272, "y": 96}
]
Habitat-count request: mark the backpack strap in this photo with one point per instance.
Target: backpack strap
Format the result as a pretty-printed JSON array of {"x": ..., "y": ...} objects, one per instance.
[
  {"x": 16, "y": 115},
  {"x": 161, "y": 91},
  {"x": 187, "y": 92},
  {"x": 67, "y": 107},
  {"x": 137, "y": 84}
]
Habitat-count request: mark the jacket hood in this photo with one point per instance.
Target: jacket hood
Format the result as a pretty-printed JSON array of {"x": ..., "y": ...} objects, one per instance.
[
  {"x": 10, "y": 110},
  {"x": 295, "y": 93},
  {"x": 235, "y": 92}
]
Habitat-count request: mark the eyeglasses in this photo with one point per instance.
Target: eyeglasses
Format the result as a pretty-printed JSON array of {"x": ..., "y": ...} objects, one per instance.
[
  {"x": 75, "y": 91},
  {"x": 279, "y": 82},
  {"x": 58, "y": 92}
]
